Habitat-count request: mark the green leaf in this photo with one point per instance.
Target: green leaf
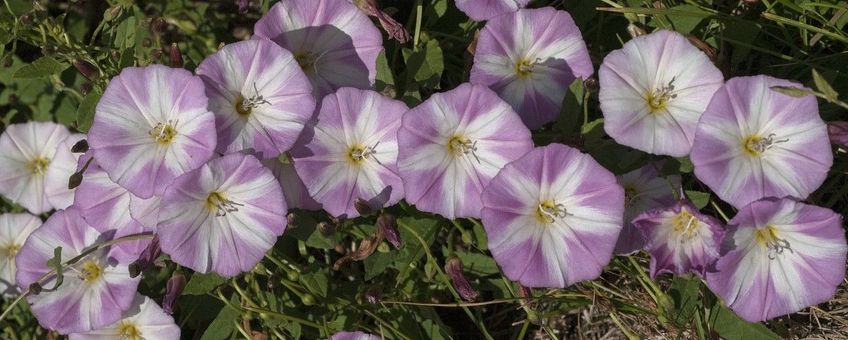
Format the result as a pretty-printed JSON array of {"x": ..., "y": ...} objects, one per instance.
[
  {"x": 700, "y": 199},
  {"x": 200, "y": 284},
  {"x": 85, "y": 111},
  {"x": 685, "y": 18},
  {"x": 792, "y": 91},
  {"x": 315, "y": 282},
  {"x": 684, "y": 291},
  {"x": 478, "y": 264},
  {"x": 41, "y": 67},
  {"x": 824, "y": 87},
  {"x": 222, "y": 327},
  {"x": 5, "y": 37},
  {"x": 305, "y": 229},
  {"x": 384, "y": 72},
  {"x": 377, "y": 263},
  {"x": 729, "y": 326},
  {"x": 424, "y": 66},
  {"x": 55, "y": 263}
]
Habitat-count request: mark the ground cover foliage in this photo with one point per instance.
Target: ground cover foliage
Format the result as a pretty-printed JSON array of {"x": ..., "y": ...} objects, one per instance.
[{"x": 58, "y": 57}]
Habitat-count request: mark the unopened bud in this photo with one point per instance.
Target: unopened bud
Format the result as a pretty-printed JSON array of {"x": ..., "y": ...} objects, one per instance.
[
  {"x": 243, "y": 6},
  {"x": 373, "y": 295},
  {"x": 147, "y": 257},
  {"x": 86, "y": 87},
  {"x": 453, "y": 268},
  {"x": 175, "y": 55},
  {"x": 75, "y": 180},
  {"x": 85, "y": 68},
  {"x": 173, "y": 289},
  {"x": 635, "y": 31},
  {"x": 838, "y": 132},
  {"x": 158, "y": 25},
  {"x": 291, "y": 220},
  {"x": 387, "y": 224},
  {"x": 156, "y": 53},
  {"x": 326, "y": 229},
  {"x": 363, "y": 207},
  {"x": 591, "y": 84},
  {"x": 25, "y": 20},
  {"x": 35, "y": 288}
]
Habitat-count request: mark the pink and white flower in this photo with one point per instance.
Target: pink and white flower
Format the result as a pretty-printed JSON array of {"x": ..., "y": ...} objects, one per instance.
[
  {"x": 259, "y": 95},
  {"x": 223, "y": 216},
  {"x": 150, "y": 126},
  {"x": 143, "y": 320},
  {"x": 14, "y": 230},
  {"x": 352, "y": 152},
  {"x": 552, "y": 217},
  {"x": 453, "y": 144}
]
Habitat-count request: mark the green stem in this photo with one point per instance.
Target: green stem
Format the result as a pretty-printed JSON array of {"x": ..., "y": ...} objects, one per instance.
[{"x": 419, "y": 12}]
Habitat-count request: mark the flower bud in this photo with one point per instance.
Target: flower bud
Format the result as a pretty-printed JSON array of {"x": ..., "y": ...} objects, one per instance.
[
  {"x": 387, "y": 224},
  {"x": 175, "y": 55},
  {"x": 146, "y": 258},
  {"x": 243, "y": 6},
  {"x": 86, "y": 87},
  {"x": 173, "y": 289},
  {"x": 635, "y": 31},
  {"x": 326, "y": 229},
  {"x": 85, "y": 68},
  {"x": 591, "y": 84},
  {"x": 26, "y": 20},
  {"x": 158, "y": 25},
  {"x": 35, "y": 288},
  {"x": 453, "y": 267},
  {"x": 291, "y": 220},
  {"x": 373, "y": 295},
  {"x": 363, "y": 207},
  {"x": 80, "y": 147},
  {"x": 838, "y": 132}
]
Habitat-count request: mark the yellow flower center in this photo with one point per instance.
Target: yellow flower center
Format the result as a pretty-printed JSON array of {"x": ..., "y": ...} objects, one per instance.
[
  {"x": 39, "y": 165},
  {"x": 524, "y": 68},
  {"x": 164, "y": 133},
  {"x": 685, "y": 224},
  {"x": 90, "y": 271},
  {"x": 242, "y": 109},
  {"x": 218, "y": 202},
  {"x": 358, "y": 153},
  {"x": 630, "y": 195},
  {"x": 548, "y": 211},
  {"x": 769, "y": 237},
  {"x": 305, "y": 59},
  {"x": 459, "y": 145},
  {"x": 11, "y": 250},
  {"x": 755, "y": 145},
  {"x": 127, "y": 330},
  {"x": 659, "y": 98}
]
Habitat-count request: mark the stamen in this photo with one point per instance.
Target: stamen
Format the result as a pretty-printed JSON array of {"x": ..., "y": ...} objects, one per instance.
[
  {"x": 244, "y": 106},
  {"x": 755, "y": 145},
  {"x": 459, "y": 145},
  {"x": 11, "y": 251},
  {"x": 769, "y": 238},
  {"x": 686, "y": 225},
  {"x": 549, "y": 211},
  {"x": 358, "y": 153},
  {"x": 39, "y": 165},
  {"x": 90, "y": 271},
  {"x": 218, "y": 201},
  {"x": 659, "y": 98},
  {"x": 524, "y": 67},
  {"x": 127, "y": 330},
  {"x": 164, "y": 133}
]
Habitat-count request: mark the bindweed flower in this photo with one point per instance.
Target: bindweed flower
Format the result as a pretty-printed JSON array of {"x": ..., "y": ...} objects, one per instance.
[
  {"x": 27, "y": 152},
  {"x": 105, "y": 205},
  {"x": 296, "y": 193},
  {"x": 335, "y": 44},
  {"x": 354, "y": 336},
  {"x": 779, "y": 256},
  {"x": 552, "y": 217},
  {"x": 14, "y": 230},
  {"x": 643, "y": 190},
  {"x": 680, "y": 239},
  {"x": 838, "y": 133},
  {"x": 453, "y": 268},
  {"x": 352, "y": 152},
  {"x": 95, "y": 290},
  {"x": 394, "y": 29},
  {"x": 143, "y": 320},
  {"x": 753, "y": 142},
  {"x": 387, "y": 223},
  {"x": 222, "y": 217},
  {"x": 451, "y": 146},
  {"x": 654, "y": 90},
  {"x": 147, "y": 258},
  {"x": 63, "y": 166},
  {"x": 481, "y": 10},
  {"x": 530, "y": 58},
  {"x": 150, "y": 126},
  {"x": 260, "y": 97},
  {"x": 173, "y": 289}
]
